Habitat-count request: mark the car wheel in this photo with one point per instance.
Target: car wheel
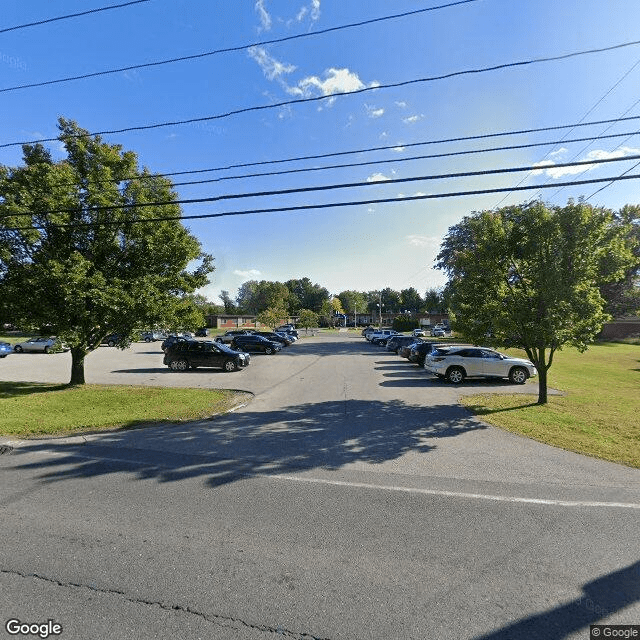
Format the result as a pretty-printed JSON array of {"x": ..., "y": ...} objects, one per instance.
[
  {"x": 147, "y": 339},
  {"x": 230, "y": 365},
  {"x": 518, "y": 375},
  {"x": 220, "y": 340},
  {"x": 47, "y": 349},
  {"x": 17, "y": 348},
  {"x": 455, "y": 375},
  {"x": 268, "y": 350},
  {"x": 179, "y": 365},
  {"x": 111, "y": 343}
]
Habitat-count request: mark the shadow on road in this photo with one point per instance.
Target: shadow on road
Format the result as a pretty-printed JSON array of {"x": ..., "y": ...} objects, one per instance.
[
  {"x": 601, "y": 598},
  {"x": 326, "y": 435}
]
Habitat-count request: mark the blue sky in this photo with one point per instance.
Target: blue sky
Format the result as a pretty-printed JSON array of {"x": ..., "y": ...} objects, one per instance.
[{"x": 362, "y": 247}]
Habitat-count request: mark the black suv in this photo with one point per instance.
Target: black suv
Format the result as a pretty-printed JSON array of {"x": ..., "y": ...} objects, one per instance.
[
  {"x": 194, "y": 353},
  {"x": 229, "y": 336},
  {"x": 169, "y": 341},
  {"x": 255, "y": 343}
]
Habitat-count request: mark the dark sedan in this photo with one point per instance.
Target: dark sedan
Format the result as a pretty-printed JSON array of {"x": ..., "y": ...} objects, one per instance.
[
  {"x": 191, "y": 354},
  {"x": 253, "y": 343},
  {"x": 282, "y": 339},
  {"x": 420, "y": 350}
]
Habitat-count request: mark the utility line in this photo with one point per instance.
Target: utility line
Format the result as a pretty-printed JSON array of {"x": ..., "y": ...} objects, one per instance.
[
  {"x": 71, "y": 15},
  {"x": 387, "y": 148},
  {"x": 255, "y": 108},
  {"x": 262, "y": 43},
  {"x": 314, "y": 189},
  {"x": 328, "y": 205}
]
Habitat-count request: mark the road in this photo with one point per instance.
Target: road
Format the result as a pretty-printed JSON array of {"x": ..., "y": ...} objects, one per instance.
[{"x": 351, "y": 498}]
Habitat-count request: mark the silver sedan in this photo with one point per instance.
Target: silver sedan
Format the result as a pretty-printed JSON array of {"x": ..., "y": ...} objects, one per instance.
[{"x": 40, "y": 345}]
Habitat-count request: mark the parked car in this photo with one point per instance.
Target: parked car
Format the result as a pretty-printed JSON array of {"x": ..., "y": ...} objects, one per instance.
[
  {"x": 41, "y": 345},
  {"x": 405, "y": 349},
  {"x": 287, "y": 336},
  {"x": 394, "y": 343},
  {"x": 381, "y": 334},
  {"x": 255, "y": 343},
  {"x": 5, "y": 349},
  {"x": 230, "y": 335},
  {"x": 111, "y": 340},
  {"x": 202, "y": 332},
  {"x": 288, "y": 328},
  {"x": 438, "y": 332},
  {"x": 284, "y": 339},
  {"x": 419, "y": 350},
  {"x": 191, "y": 354},
  {"x": 457, "y": 363},
  {"x": 367, "y": 331},
  {"x": 153, "y": 336},
  {"x": 418, "y": 333},
  {"x": 172, "y": 339}
]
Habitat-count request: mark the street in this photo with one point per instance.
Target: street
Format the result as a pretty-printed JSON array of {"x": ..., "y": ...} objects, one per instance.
[{"x": 353, "y": 497}]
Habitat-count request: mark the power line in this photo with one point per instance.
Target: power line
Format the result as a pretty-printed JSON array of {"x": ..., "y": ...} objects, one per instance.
[
  {"x": 72, "y": 15},
  {"x": 262, "y": 43},
  {"x": 328, "y": 205},
  {"x": 285, "y": 103},
  {"x": 319, "y": 188}
]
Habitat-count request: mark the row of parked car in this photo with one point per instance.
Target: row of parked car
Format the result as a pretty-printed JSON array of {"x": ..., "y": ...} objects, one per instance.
[
  {"x": 453, "y": 362},
  {"x": 229, "y": 351}
]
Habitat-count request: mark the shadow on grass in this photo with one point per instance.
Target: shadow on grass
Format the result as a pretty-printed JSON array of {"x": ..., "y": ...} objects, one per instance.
[
  {"x": 13, "y": 389},
  {"x": 481, "y": 410},
  {"x": 323, "y": 435}
]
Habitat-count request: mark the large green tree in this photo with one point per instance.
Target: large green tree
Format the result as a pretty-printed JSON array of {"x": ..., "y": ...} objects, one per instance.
[
  {"x": 80, "y": 256},
  {"x": 529, "y": 276},
  {"x": 305, "y": 295}
]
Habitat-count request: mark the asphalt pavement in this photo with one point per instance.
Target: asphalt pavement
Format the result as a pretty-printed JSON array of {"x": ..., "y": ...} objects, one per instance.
[{"x": 352, "y": 497}]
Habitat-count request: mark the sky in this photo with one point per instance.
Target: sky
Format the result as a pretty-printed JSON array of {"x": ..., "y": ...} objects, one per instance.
[{"x": 363, "y": 246}]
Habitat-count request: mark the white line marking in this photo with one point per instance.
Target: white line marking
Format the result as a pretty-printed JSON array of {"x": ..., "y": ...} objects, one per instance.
[
  {"x": 383, "y": 487},
  {"x": 456, "y": 494}
]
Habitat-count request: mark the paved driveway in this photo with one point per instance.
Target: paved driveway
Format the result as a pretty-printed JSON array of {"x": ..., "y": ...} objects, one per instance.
[{"x": 352, "y": 498}]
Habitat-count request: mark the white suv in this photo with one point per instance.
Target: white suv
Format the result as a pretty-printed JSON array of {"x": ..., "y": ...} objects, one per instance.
[
  {"x": 382, "y": 334},
  {"x": 457, "y": 363}
]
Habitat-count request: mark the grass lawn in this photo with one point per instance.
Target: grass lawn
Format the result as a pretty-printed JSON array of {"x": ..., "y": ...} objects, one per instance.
[
  {"x": 598, "y": 416},
  {"x": 33, "y": 409}
]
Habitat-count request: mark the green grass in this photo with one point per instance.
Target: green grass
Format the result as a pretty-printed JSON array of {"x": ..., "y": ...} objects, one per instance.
[
  {"x": 598, "y": 415},
  {"x": 32, "y": 409}
]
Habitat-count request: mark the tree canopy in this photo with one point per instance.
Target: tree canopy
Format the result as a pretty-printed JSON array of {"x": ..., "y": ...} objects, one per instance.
[
  {"x": 84, "y": 251},
  {"x": 529, "y": 276}
]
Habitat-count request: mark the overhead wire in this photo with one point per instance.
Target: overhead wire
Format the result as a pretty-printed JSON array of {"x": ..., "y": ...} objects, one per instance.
[
  {"x": 312, "y": 189},
  {"x": 319, "y": 206},
  {"x": 379, "y": 87},
  {"x": 72, "y": 15},
  {"x": 237, "y": 48}
]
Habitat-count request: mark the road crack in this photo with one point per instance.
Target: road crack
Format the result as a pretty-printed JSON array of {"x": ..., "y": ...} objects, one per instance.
[{"x": 213, "y": 618}]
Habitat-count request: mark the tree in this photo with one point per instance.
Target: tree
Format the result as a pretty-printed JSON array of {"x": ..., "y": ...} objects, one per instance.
[
  {"x": 434, "y": 301},
  {"x": 79, "y": 255},
  {"x": 528, "y": 276},
  {"x": 245, "y": 299},
  {"x": 308, "y": 318},
  {"x": 305, "y": 295},
  {"x": 410, "y": 300},
  {"x": 272, "y": 316},
  {"x": 623, "y": 297},
  {"x": 227, "y": 303},
  {"x": 353, "y": 301}
]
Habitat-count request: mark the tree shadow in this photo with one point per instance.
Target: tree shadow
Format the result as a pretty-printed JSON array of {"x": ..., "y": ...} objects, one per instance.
[
  {"x": 13, "y": 389},
  {"x": 601, "y": 598},
  {"x": 323, "y": 435}
]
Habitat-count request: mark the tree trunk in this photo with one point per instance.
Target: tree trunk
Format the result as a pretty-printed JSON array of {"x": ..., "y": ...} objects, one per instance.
[
  {"x": 77, "y": 365},
  {"x": 542, "y": 383}
]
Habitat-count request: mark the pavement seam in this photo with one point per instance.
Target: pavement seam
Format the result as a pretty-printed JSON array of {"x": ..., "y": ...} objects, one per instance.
[{"x": 223, "y": 621}]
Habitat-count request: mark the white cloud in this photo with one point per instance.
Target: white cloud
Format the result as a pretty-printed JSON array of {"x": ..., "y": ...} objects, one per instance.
[
  {"x": 398, "y": 149},
  {"x": 335, "y": 81},
  {"x": 559, "y": 152},
  {"x": 271, "y": 67},
  {"x": 413, "y": 119},
  {"x": 249, "y": 273},
  {"x": 401, "y": 103},
  {"x": 374, "y": 112},
  {"x": 371, "y": 210},
  {"x": 377, "y": 177},
  {"x": 265, "y": 18},
  {"x": 560, "y": 172},
  {"x": 423, "y": 241},
  {"x": 313, "y": 10}
]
